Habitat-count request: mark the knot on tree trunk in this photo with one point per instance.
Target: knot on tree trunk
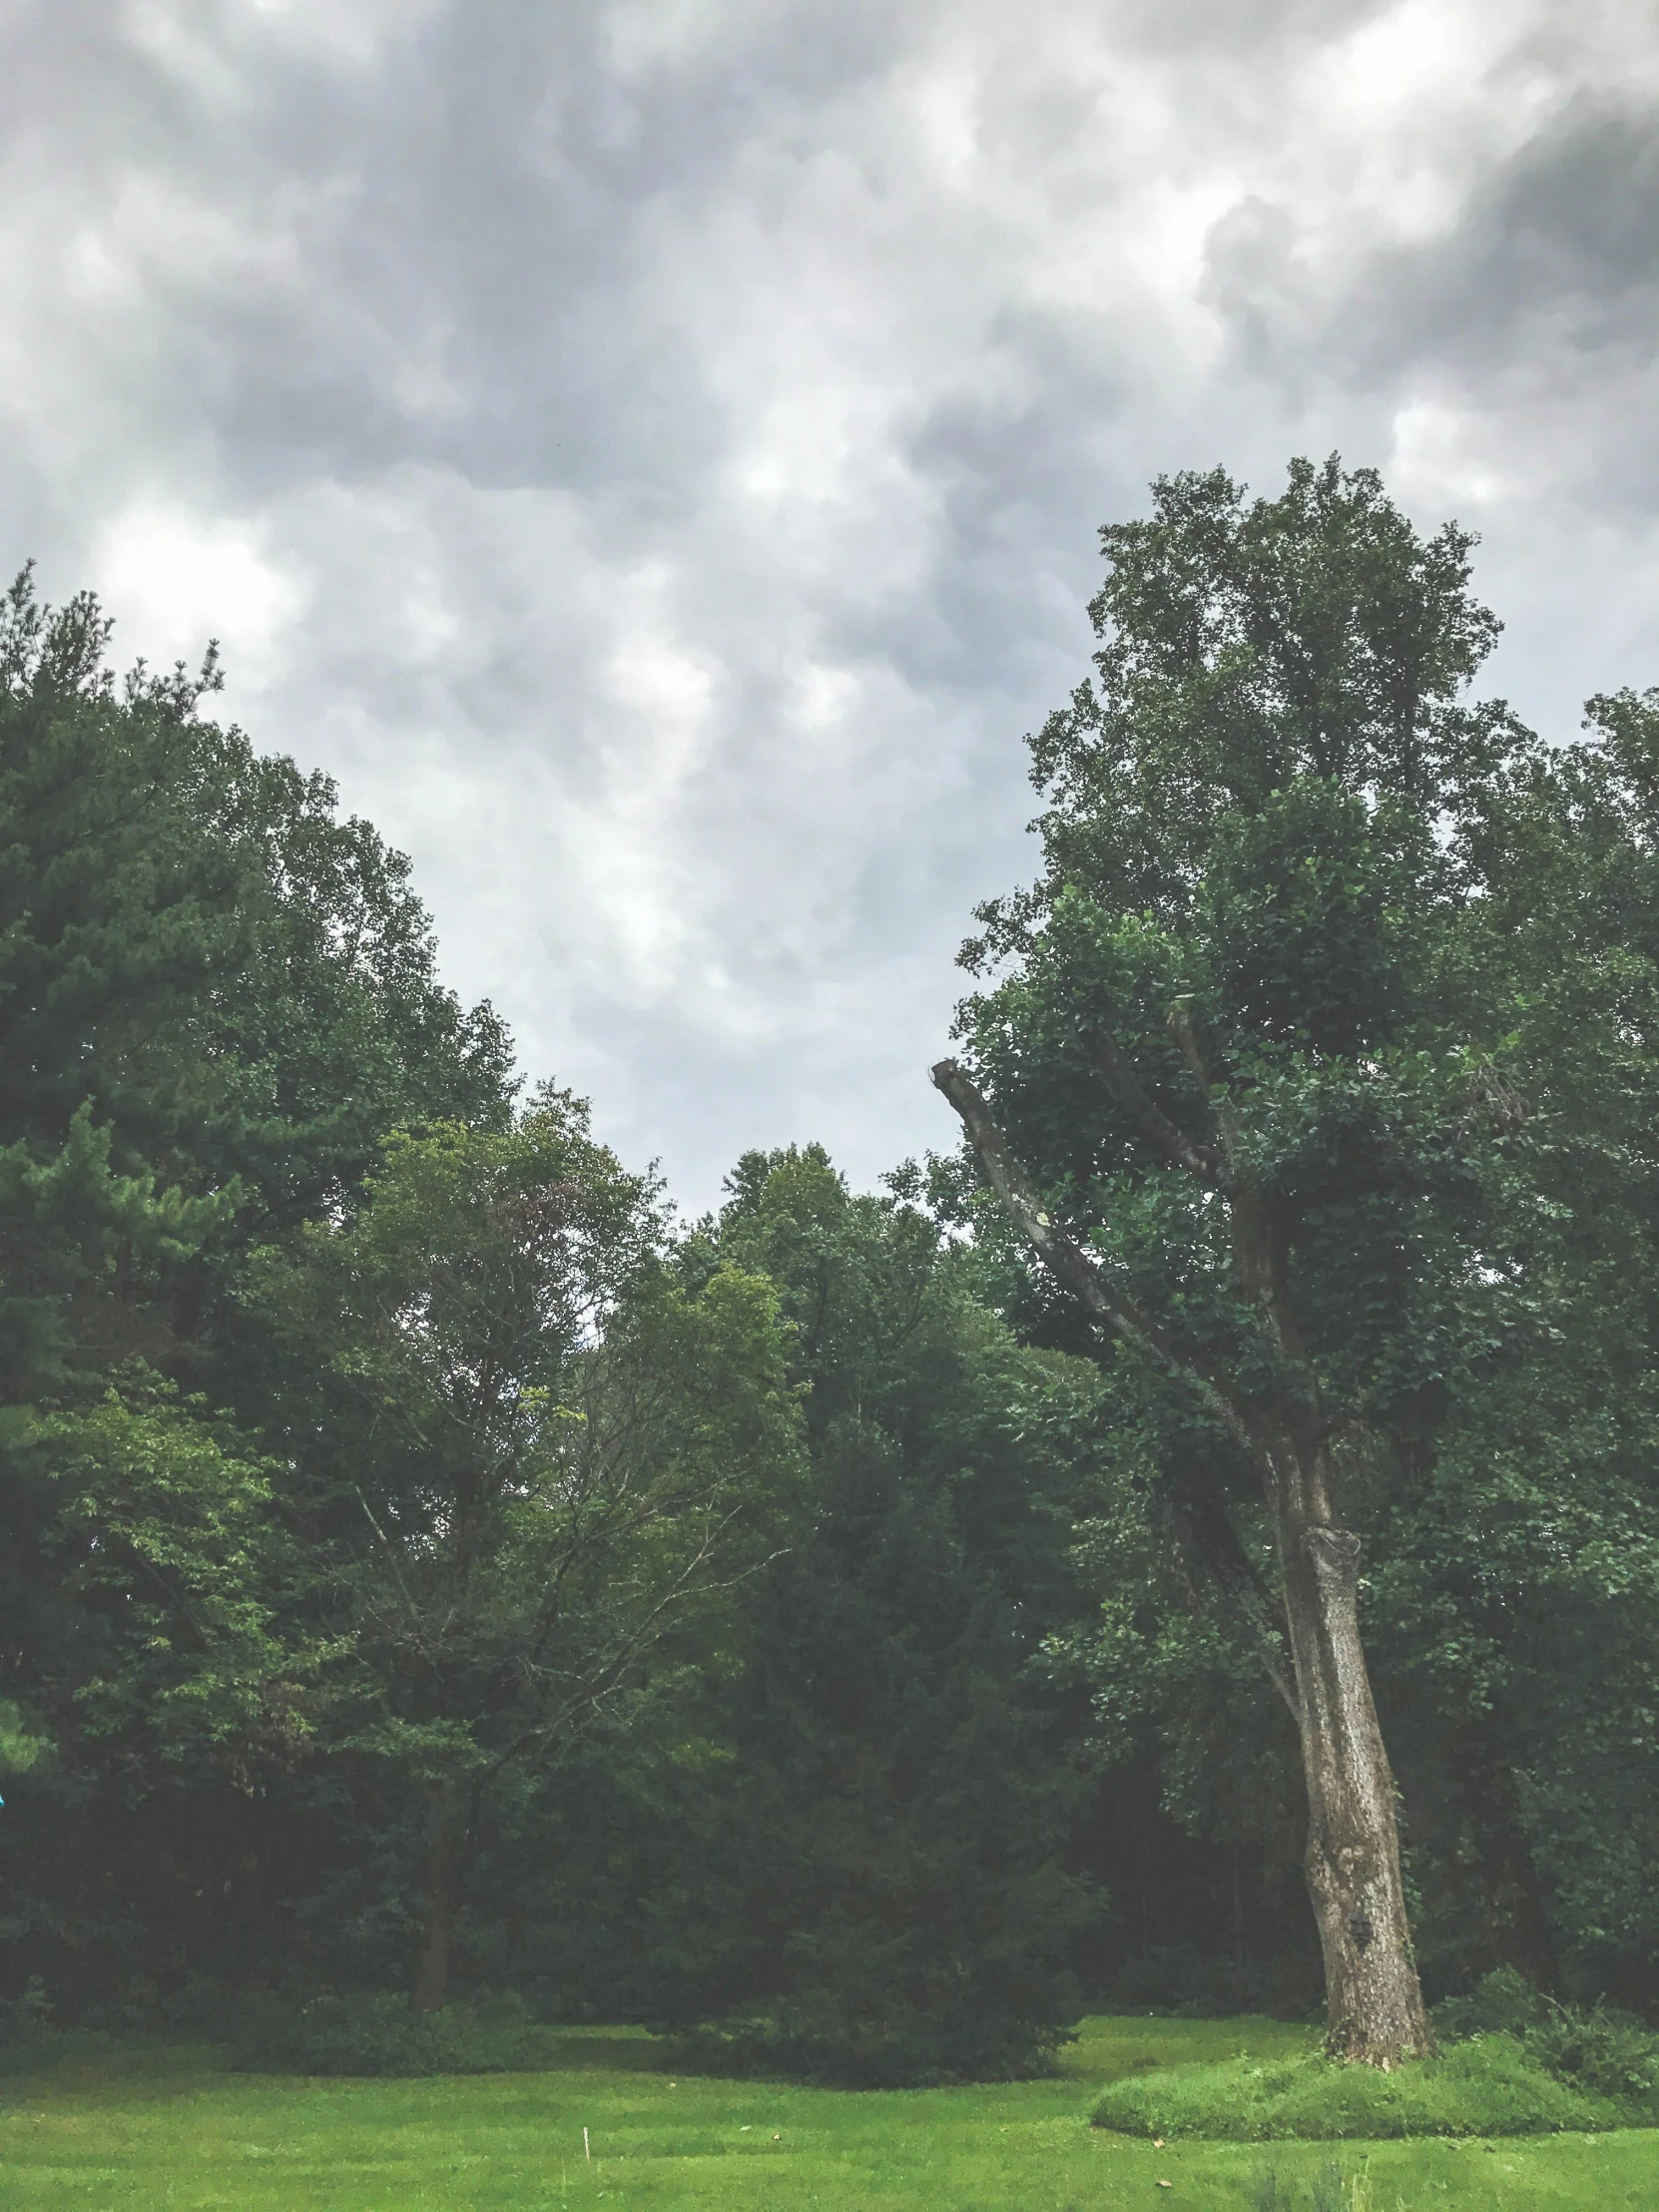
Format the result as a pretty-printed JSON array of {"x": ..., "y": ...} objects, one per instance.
[{"x": 1334, "y": 1556}]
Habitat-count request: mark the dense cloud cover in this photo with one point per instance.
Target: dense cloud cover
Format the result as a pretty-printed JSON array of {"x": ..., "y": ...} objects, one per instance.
[{"x": 649, "y": 451}]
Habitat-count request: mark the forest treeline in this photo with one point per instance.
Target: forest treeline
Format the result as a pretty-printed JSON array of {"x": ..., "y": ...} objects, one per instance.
[{"x": 430, "y": 1566}]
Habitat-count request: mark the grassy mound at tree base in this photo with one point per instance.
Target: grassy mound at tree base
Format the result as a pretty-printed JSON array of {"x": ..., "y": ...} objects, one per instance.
[{"x": 1489, "y": 2087}]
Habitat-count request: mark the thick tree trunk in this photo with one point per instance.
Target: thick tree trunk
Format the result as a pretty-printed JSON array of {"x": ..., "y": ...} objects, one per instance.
[
  {"x": 444, "y": 1845},
  {"x": 1375, "y": 2008},
  {"x": 1374, "y": 2000}
]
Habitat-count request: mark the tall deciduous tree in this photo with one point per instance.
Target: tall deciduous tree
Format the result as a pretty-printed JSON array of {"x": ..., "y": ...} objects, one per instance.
[
  {"x": 1226, "y": 1088},
  {"x": 535, "y": 1450}
]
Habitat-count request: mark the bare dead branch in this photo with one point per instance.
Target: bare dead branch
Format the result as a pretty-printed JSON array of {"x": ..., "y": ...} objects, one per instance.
[
  {"x": 1083, "y": 1277},
  {"x": 1187, "y": 1044},
  {"x": 1205, "y": 1531},
  {"x": 1131, "y": 1094}
]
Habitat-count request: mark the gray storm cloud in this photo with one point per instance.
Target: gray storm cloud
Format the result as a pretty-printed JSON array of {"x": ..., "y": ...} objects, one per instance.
[{"x": 651, "y": 452}]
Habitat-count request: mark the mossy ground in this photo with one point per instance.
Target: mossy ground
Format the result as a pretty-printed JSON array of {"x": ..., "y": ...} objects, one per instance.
[{"x": 153, "y": 2127}]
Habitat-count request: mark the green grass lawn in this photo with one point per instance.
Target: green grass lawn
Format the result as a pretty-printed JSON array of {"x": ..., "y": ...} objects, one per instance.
[{"x": 150, "y": 2128}]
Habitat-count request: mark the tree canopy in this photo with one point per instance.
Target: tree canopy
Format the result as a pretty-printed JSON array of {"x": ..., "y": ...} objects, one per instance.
[{"x": 855, "y": 1631}]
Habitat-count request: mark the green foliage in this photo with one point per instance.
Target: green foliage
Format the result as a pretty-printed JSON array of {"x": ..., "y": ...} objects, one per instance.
[
  {"x": 1503, "y": 2003},
  {"x": 1248, "y": 826},
  {"x": 1602, "y": 2053},
  {"x": 1607, "y": 2055},
  {"x": 25, "y": 2025},
  {"x": 20, "y": 1747},
  {"x": 1332, "y": 2188},
  {"x": 215, "y": 996},
  {"x": 749, "y": 1628},
  {"x": 527, "y": 1459},
  {"x": 168, "y": 1687},
  {"x": 163, "y": 1541},
  {"x": 1249, "y": 653},
  {"x": 899, "y": 1805},
  {"x": 1416, "y": 950},
  {"x": 1492, "y": 2086},
  {"x": 551, "y": 1443},
  {"x": 215, "y": 999},
  {"x": 367, "y": 2034},
  {"x": 334, "y": 1029},
  {"x": 1512, "y": 2066},
  {"x": 873, "y": 2022},
  {"x": 116, "y": 917},
  {"x": 837, "y": 1845}
]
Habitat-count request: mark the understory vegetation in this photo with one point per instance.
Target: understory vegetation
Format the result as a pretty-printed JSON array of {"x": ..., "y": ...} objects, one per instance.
[{"x": 449, "y": 1599}]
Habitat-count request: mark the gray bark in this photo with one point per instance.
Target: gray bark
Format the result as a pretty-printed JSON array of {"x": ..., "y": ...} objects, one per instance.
[
  {"x": 1374, "y": 2000},
  {"x": 1374, "y": 2007}
]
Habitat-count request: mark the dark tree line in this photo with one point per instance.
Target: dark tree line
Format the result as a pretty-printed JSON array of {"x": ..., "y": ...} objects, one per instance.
[{"x": 859, "y": 1630}]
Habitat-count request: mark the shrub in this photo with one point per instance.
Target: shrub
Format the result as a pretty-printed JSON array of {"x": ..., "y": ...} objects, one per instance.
[
  {"x": 1501, "y": 2003},
  {"x": 1605, "y": 2054},
  {"x": 24, "y": 2019},
  {"x": 1600, "y": 2052},
  {"x": 52, "y": 2046},
  {"x": 874, "y": 2054},
  {"x": 29, "y": 2039},
  {"x": 378, "y": 2035},
  {"x": 1491, "y": 2085},
  {"x": 815, "y": 2035}
]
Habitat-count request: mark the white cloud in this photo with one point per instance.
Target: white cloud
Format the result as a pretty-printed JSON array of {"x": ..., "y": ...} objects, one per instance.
[
  {"x": 179, "y": 578},
  {"x": 651, "y": 452}
]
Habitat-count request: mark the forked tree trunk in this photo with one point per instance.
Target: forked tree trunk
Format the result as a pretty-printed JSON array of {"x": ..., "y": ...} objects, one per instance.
[{"x": 1374, "y": 2008}]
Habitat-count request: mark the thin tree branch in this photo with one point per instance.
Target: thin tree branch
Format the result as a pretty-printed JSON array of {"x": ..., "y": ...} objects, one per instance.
[
  {"x": 1186, "y": 1042},
  {"x": 1204, "y": 1527}
]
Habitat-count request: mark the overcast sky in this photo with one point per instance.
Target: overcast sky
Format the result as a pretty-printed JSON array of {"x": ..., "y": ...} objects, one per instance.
[{"x": 649, "y": 451}]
